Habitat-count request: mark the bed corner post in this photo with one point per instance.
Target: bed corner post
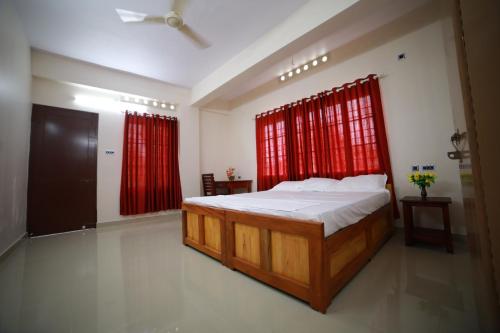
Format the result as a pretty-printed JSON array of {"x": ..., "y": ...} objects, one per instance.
[
  {"x": 319, "y": 300},
  {"x": 184, "y": 226},
  {"x": 229, "y": 240},
  {"x": 224, "y": 240}
]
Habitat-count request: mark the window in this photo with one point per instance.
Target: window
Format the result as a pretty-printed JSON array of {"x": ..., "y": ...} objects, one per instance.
[{"x": 334, "y": 134}]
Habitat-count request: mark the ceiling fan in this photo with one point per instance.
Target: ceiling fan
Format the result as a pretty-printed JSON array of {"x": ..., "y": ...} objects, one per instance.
[{"x": 173, "y": 19}]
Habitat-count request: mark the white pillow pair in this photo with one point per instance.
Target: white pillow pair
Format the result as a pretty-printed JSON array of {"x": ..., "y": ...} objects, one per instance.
[
  {"x": 362, "y": 183},
  {"x": 311, "y": 184},
  {"x": 349, "y": 184},
  {"x": 288, "y": 185},
  {"x": 320, "y": 184}
]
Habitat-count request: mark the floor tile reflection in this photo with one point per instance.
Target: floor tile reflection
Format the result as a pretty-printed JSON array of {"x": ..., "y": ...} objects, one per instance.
[{"x": 140, "y": 278}]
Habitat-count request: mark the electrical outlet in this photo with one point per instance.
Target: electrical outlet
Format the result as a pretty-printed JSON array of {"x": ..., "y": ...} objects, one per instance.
[
  {"x": 414, "y": 168},
  {"x": 401, "y": 56},
  {"x": 428, "y": 167}
]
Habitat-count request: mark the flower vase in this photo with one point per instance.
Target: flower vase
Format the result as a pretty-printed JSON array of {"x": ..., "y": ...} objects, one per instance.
[
  {"x": 423, "y": 192},
  {"x": 231, "y": 178}
]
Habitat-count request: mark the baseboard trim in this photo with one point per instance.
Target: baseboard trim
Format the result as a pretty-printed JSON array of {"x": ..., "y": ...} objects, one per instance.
[
  {"x": 175, "y": 215},
  {"x": 12, "y": 246}
]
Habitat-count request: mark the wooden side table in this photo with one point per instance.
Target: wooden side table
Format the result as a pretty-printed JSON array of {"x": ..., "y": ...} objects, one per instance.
[
  {"x": 231, "y": 185},
  {"x": 433, "y": 236}
]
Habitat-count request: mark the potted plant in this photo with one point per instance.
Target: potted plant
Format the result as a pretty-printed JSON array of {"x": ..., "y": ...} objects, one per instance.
[
  {"x": 230, "y": 173},
  {"x": 422, "y": 180}
]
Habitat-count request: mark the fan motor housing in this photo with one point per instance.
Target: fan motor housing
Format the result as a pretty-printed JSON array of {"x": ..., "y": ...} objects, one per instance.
[{"x": 173, "y": 19}]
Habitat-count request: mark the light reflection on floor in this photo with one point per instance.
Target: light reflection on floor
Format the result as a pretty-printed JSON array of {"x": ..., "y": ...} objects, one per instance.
[{"x": 140, "y": 278}]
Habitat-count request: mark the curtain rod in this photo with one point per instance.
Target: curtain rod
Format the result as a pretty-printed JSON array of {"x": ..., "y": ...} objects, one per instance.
[
  {"x": 328, "y": 92},
  {"x": 150, "y": 114}
]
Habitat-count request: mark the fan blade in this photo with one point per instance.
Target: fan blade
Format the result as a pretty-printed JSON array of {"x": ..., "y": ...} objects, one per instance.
[
  {"x": 194, "y": 37},
  {"x": 178, "y": 6},
  {"x": 128, "y": 16}
]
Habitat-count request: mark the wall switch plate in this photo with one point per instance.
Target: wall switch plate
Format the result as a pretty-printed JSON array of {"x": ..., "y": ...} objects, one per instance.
[
  {"x": 415, "y": 168},
  {"x": 110, "y": 152}
]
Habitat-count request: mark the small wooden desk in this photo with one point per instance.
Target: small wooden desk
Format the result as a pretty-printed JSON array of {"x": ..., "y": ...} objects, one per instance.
[
  {"x": 433, "y": 236},
  {"x": 230, "y": 186}
]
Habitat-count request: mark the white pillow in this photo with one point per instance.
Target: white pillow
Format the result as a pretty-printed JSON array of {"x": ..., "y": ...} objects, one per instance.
[
  {"x": 362, "y": 183},
  {"x": 288, "y": 186},
  {"x": 319, "y": 184}
]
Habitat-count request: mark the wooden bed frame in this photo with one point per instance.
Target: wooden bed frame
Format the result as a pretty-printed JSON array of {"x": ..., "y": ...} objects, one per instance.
[{"x": 289, "y": 254}]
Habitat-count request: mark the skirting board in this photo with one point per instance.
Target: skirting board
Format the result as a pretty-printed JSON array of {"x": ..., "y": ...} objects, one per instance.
[
  {"x": 12, "y": 246},
  {"x": 174, "y": 215}
]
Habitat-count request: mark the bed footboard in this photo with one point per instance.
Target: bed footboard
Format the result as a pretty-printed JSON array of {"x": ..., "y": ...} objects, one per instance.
[
  {"x": 204, "y": 229},
  {"x": 288, "y": 254},
  {"x": 284, "y": 253}
]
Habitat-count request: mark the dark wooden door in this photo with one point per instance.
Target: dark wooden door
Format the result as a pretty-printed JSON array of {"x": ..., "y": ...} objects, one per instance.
[{"x": 63, "y": 170}]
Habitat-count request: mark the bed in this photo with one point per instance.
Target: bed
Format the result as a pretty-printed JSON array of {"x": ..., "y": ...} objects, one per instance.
[{"x": 307, "y": 244}]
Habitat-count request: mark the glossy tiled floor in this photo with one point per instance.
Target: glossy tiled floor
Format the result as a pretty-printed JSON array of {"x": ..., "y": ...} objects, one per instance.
[{"x": 140, "y": 278}]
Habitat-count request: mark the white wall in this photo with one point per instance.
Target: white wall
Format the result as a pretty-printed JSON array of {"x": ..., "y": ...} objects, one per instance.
[
  {"x": 49, "y": 90},
  {"x": 15, "y": 123},
  {"x": 416, "y": 95},
  {"x": 215, "y": 134}
]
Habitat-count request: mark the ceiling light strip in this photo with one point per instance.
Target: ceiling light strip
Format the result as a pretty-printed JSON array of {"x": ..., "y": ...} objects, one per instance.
[
  {"x": 302, "y": 68},
  {"x": 151, "y": 102}
]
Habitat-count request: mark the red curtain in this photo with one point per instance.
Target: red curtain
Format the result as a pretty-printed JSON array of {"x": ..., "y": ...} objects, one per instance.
[
  {"x": 271, "y": 150},
  {"x": 333, "y": 134},
  {"x": 150, "y": 167}
]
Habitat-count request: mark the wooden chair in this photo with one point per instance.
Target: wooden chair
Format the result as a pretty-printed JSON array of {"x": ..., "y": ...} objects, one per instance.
[{"x": 208, "y": 184}]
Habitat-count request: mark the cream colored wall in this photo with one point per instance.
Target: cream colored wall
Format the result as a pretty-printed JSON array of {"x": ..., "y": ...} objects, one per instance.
[
  {"x": 214, "y": 137},
  {"x": 417, "y": 97},
  {"x": 48, "y": 91},
  {"x": 15, "y": 123}
]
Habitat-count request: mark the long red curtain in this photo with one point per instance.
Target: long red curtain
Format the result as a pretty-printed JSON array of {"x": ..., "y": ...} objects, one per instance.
[
  {"x": 272, "y": 162},
  {"x": 334, "y": 134},
  {"x": 150, "y": 167}
]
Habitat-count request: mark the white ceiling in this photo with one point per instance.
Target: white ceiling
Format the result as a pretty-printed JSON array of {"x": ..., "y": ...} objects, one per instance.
[
  {"x": 358, "y": 20},
  {"x": 91, "y": 31}
]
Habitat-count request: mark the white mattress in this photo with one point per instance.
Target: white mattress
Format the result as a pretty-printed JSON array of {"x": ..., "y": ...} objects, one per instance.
[{"x": 336, "y": 210}]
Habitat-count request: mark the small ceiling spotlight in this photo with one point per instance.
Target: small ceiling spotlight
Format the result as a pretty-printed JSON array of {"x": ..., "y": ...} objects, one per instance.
[
  {"x": 302, "y": 68},
  {"x": 126, "y": 98},
  {"x": 136, "y": 100},
  {"x": 155, "y": 103},
  {"x": 172, "y": 107},
  {"x": 163, "y": 105},
  {"x": 145, "y": 101}
]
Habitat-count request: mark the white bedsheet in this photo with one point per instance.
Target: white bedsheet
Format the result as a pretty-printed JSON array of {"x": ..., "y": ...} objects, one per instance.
[{"x": 336, "y": 210}]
